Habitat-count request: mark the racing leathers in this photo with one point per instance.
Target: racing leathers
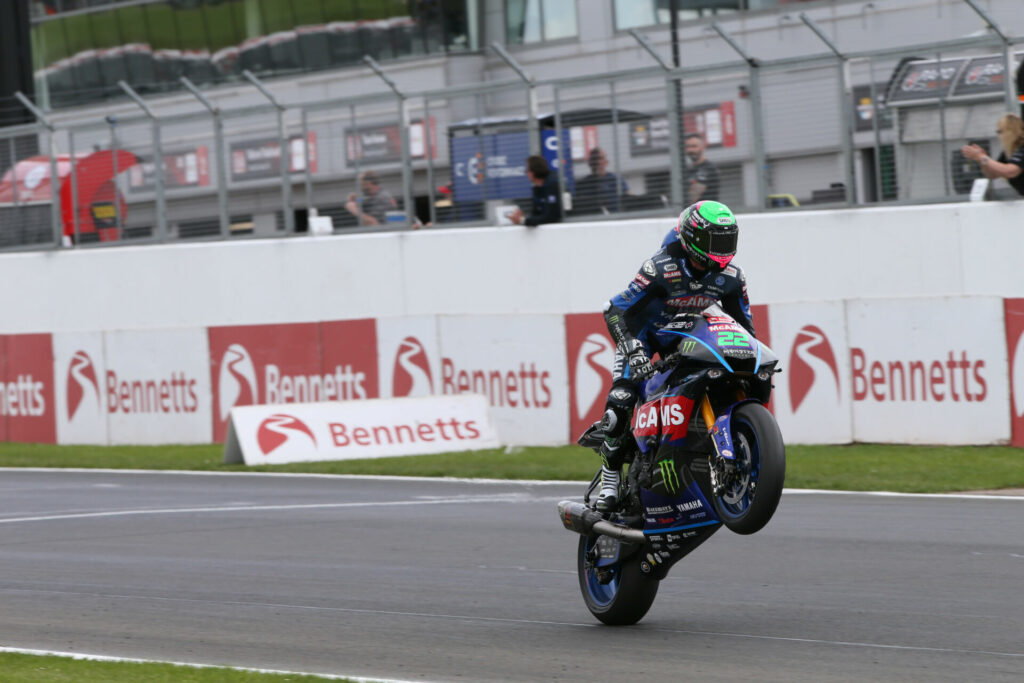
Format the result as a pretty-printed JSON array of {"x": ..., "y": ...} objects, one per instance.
[{"x": 665, "y": 286}]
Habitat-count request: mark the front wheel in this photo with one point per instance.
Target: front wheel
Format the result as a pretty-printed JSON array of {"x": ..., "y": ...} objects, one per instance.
[
  {"x": 615, "y": 590},
  {"x": 753, "y": 492}
]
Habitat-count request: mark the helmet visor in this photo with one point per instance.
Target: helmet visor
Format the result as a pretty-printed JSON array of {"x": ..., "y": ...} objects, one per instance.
[{"x": 716, "y": 242}]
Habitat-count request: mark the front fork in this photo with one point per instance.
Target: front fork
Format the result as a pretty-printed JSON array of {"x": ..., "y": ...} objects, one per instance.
[{"x": 723, "y": 463}]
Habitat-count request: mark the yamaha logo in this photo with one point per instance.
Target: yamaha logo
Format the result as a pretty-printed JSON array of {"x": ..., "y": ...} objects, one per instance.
[
  {"x": 411, "y": 375},
  {"x": 236, "y": 381},
  {"x": 593, "y": 360},
  {"x": 810, "y": 359},
  {"x": 277, "y": 429},
  {"x": 81, "y": 381}
]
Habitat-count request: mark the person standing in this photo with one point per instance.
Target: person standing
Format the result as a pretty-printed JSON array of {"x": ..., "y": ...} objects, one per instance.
[
  {"x": 700, "y": 180},
  {"x": 547, "y": 200},
  {"x": 601, "y": 190},
  {"x": 376, "y": 201},
  {"x": 1010, "y": 164}
]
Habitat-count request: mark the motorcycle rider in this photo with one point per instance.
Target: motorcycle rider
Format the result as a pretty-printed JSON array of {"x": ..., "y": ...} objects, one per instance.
[{"x": 690, "y": 272}]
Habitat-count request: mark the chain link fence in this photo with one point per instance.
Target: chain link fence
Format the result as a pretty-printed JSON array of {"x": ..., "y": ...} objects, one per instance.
[{"x": 830, "y": 130}]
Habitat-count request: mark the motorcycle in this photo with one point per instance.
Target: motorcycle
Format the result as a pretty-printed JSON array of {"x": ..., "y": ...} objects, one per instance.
[{"x": 706, "y": 452}]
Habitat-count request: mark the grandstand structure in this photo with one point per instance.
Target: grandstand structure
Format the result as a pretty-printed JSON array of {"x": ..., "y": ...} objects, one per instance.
[{"x": 265, "y": 113}]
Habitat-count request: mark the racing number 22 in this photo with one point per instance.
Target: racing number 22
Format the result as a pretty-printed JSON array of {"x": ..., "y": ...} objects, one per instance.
[{"x": 732, "y": 339}]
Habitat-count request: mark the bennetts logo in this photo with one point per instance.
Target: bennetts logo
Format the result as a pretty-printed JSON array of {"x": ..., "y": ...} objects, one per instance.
[
  {"x": 810, "y": 359},
  {"x": 593, "y": 360},
  {"x": 237, "y": 380},
  {"x": 81, "y": 381},
  {"x": 411, "y": 375},
  {"x": 277, "y": 429}
]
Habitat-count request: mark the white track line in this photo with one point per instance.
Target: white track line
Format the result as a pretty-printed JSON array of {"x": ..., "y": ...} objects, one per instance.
[
  {"x": 133, "y": 660},
  {"x": 510, "y": 498},
  {"x": 469, "y": 480},
  {"x": 538, "y": 622}
]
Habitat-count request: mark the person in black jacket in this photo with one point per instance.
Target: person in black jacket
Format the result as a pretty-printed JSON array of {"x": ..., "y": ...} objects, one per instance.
[
  {"x": 547, "y": 200},
  {"x": 1010, "y": 164}
]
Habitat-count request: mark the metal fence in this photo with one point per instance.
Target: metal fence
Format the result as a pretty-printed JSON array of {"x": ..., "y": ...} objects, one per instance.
[{"x": 827, "y": 130}]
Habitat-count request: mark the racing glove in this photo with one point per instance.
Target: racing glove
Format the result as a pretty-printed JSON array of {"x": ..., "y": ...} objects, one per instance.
[{"x": 640, "y": 366}]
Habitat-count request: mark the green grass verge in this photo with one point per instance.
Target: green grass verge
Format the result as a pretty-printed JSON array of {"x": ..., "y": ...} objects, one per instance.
[
  {"x": 19, "y": 668},
  {"x": 862, "y": 467}
]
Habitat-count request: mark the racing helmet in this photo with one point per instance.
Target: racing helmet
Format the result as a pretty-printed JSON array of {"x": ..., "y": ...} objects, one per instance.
[{"x": 708, "y": 233}]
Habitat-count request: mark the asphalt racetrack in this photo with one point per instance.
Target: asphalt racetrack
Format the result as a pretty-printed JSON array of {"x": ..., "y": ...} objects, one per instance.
[{"x": 462, "y": 581}]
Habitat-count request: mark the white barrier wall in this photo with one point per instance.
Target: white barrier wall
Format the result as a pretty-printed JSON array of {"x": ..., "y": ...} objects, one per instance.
[
  {"x": 940, "y": 250},
  {"x": 174, "y": 337}
]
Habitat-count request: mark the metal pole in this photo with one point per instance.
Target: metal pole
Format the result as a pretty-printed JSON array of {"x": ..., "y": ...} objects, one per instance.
[
  {"x": 14, "y": 172},
  {"x": 1008, "y": 60},
  {"x": 845, "y": 99},
  {"x": 677, "y": 193},
  {"x": 358, "y": 158},
  {"x": 876, "y": 127},
  {"x": 158, "y": 162},
  {"x": 285, "y": 159},
  {"x": 218, "y": 142},
  {"x": 615, "y": 147},
  {"x": 531, "y": 96},
  {"x": 760, "y": 158},
  {"x": 432, "y": 216},
  {"x": 482, "y": 163},
  {"x": 74, "y": 185},
  {"x": 407, "y": 197},
  {"x": 403, "y": 113},
  {"x": 942, "y": 128},
  {"x": 55, "y": 217},
  {"x": 112, "y": 122},
  {"x": 308, "y": 173},
  {"x": 561, "y": 155},
  {"x": 646, "y": 45}
]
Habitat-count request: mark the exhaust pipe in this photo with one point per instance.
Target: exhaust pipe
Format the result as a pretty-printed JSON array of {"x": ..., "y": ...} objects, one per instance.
[{"x": 581, "y": 519}]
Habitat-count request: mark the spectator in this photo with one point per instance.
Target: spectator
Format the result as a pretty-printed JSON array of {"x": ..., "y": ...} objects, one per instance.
[
  {"x": 1010, "y": 165},
  {"x": 373, "y": 208},
  {"x": 547, "y": 200},
  {"x": 601, "y": 190},
  {"x": 700, "y": 180}
]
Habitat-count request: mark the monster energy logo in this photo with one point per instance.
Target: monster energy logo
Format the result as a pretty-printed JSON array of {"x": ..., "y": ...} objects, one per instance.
[
  {"x": 687, "y": 346},
  {"x": 669, "y": 475}
]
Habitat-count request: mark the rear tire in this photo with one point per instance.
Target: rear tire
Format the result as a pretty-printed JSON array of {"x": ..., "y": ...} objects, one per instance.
[
  {"x": 747, "y": 505},
  {"x": 626, "y": 598}
]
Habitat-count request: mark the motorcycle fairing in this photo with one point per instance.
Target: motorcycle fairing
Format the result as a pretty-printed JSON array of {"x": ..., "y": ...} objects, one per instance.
[{"x": 676, "y": 514}]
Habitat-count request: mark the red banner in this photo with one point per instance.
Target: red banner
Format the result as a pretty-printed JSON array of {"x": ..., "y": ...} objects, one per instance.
[
  {"x": 26, "y": 389},
  {"x": 1015, "y": 353},
  {"x": 590, "y": 354}
]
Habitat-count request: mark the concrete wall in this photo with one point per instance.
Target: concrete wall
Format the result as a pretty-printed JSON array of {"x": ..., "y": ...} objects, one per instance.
[{"x": 920, "y": 251}]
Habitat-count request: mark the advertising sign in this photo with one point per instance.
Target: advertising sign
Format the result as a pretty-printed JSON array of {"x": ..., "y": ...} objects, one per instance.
[
  {"x": 864, "y": 108},
  {"x": 254, "y": 159},
  {"x": 383, "y": 143},
  {"x": 408, "y": 356},
  {"x": 549, "y": 150},
  {"x": 286, "y": 363},
  {"x": 811, "y": 399},
  {"x": 155, "y": 386},
  {"x": 1015, "y": 346},
  {"x": 26, "y": 389},
  {"x": 984, "y": 76},
  {"x": 490, "y": 166},
  {"x": 929, "y": 371},
  {"x": 591, "y": 354},
  {"x": 79, "y": 373},
  {"x": 518, "y": 362},
  {"x": 924, "y": 80},
  {"x": 716, "y": 122},
  {"x": 274, "y": 435},
  {"x": 181, "y": 169}
]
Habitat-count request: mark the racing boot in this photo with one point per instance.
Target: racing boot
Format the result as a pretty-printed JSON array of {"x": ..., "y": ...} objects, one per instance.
[{"x": 611, "y": 454}]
